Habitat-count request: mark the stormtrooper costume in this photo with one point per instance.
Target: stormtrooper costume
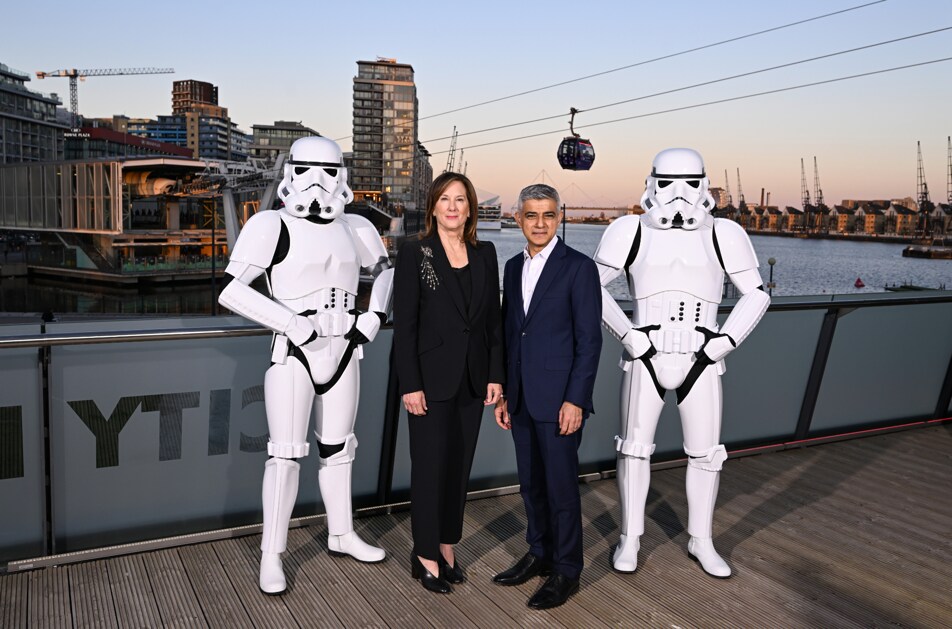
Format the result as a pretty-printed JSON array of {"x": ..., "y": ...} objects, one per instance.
[
  {"x": 675, "y": 257},
  {"x": 311, "y": 254}
]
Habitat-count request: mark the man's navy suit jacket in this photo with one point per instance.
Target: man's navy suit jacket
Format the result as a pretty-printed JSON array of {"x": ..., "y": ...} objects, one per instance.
[{"x": 552, "y": 350}]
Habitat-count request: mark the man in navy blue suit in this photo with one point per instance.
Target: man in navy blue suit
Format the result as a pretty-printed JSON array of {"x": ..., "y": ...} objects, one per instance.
[{"x": 552, "y": 309}]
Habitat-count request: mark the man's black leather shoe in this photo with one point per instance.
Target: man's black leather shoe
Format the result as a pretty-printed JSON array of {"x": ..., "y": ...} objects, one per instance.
[
  {"x": 555, "y": 591},
  {"x": 526, "y": 568}
]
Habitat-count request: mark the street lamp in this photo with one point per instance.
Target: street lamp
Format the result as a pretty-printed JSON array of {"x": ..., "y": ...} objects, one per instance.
[{"x": 770, "y": 282}]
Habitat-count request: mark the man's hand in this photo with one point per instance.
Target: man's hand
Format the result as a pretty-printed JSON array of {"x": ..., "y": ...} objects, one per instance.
[
  {"x": 570, "y": 418},
  {"x": 415, "y": 403},
  {"x": 502, "y": 414},
  {"x": 493, "y": 393}
]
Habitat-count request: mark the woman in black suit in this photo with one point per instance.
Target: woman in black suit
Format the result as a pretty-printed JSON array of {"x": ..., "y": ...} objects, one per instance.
[{"x": 449, "y": 355}]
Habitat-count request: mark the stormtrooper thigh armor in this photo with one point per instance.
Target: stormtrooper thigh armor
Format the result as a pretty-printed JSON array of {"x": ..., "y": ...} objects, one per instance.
[{"x": 675, "y": 258}]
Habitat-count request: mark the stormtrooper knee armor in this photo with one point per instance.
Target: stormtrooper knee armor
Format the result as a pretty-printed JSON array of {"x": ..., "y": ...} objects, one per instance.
[
  {"x": 675, "y": 258},
  {"x": 310, "y": 254}
]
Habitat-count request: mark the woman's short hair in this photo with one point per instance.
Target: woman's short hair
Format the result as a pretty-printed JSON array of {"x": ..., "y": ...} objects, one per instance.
[{"x": 437, "y": 188}]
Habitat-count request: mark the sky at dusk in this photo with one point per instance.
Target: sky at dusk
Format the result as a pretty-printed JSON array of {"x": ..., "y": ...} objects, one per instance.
[{"x": 297, "y": 60}]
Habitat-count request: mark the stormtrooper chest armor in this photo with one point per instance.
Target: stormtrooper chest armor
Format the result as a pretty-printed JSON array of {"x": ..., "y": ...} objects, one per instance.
[
  {"x": 676, "y": 280},
  {"x": 320, "y": 258}
]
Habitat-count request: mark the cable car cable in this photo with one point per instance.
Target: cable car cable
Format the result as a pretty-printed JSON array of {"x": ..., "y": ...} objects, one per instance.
[
  {"x": 713, "y": 102},
  {"x": 647, "y": 61},
  {"x": 702, "y": 84}
]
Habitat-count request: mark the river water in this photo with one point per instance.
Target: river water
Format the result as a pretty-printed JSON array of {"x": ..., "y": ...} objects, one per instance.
[{"x": 803, "y": 267}]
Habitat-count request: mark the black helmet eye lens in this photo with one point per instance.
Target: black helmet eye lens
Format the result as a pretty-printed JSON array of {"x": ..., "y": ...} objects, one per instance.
[
  {"x": 331, "y": 171},
  {"x": 694, "y": 183},
  {"x": 664, "y": 183},
  {"x": 300, "y": 170}
]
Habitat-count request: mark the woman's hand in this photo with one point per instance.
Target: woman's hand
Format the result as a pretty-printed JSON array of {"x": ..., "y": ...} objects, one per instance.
[
  {"x": 493, "y": 393},
  {"x": 415, "y": 403}
]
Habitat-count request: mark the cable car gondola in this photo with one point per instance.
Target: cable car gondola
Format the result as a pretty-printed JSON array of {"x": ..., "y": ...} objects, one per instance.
[{"x": 575, "y": 153}]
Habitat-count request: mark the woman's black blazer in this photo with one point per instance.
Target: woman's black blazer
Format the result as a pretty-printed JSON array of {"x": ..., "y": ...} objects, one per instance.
[{"x": 434, "y": 334}]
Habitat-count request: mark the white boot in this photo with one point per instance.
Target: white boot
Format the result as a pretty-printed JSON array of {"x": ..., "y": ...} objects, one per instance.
[
  {"x": 625, "y": 557},
  {"x": 634, "y": 476},
  {"x": 271, "y": 574},
  {"x": 278, "y": 494},
  {"x": 335, "y": 491},
  {"x": 351, "y": 544},
  {"x": 702, "y": 485},
  {"x": 703, "y": 551}
]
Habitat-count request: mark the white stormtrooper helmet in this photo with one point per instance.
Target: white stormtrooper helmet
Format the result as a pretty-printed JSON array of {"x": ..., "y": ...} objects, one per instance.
[
  {"x": 315, "y": 180},
  {"x": 676, "y": 194}
]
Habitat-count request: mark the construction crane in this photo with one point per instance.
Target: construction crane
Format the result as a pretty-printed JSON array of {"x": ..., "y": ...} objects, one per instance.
[{"x": 81, "y": 75}]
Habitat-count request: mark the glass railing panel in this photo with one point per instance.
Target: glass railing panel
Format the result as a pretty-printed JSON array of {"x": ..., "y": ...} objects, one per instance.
[
  {"x": 151, "y": 439},
  {"x": 885, "y": 363},
  {"x": 22, "y": 496}
]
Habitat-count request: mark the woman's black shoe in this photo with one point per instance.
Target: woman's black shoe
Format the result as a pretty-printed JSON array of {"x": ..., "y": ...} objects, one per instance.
[
  {"x": 452, "y": 574},
  {"x": 433, "y": 584}
]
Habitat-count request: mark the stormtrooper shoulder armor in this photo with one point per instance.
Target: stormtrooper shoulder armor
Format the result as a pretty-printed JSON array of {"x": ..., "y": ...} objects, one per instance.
[
  {"x": 733, "y": 245},
  {"x": 369, "y": 245},
  {"x": 258, "y": 239},
  {"x": 617, "y": 245}
]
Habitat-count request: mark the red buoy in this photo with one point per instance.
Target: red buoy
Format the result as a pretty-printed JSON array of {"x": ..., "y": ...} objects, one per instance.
[{"x": 859, "y": 283}]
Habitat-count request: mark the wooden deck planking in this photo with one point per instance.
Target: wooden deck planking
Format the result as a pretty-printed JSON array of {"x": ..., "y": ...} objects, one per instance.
[
  {"x": 14, "y": 600},
  {"x": 239, "y": 558},
  {"x": 221, "y": 605},
  {"x": 92, "y": 602},
  {"x": 132, "y": 592},
  {"x": 849, "y": 534},
  {"x": 178, "y": 606},
  {"x": 49, "y": 594}
]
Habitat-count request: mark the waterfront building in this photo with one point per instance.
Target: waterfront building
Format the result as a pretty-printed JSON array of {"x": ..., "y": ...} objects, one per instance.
[
  {"x": 197, "y": 123},
  {"x": 125, "y": 220},
  {"x": 188, "y": 93},
  {"x": 206, "y": 131},
  {"x": 793, "y": 219},
  {"x": 901, "y": 220},
  {"x": 268, "y": 141},
  {"x": 29, "y": 129},
  {"x": 110, "y": 137},
  {"x": 388, "y": 163},
  {"x": 843, "y": 219}
]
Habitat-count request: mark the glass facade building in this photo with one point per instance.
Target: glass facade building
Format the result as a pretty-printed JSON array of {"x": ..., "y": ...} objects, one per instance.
[
  {"x": 268, "y": 141},
  {"x": 29, "y": 131},
  {"x": 384, "y": 167}
]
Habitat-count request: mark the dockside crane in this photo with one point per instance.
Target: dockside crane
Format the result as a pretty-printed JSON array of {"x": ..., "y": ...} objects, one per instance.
[
  {"x": 948, "y": 177},
  {"x": 741, "y": 203},
  {"x": 451, "y": 158},
  {"x": 804, "y": 190},
  {"x": 75, "y": 75},
  {"x": 922, "y": 197},
  {"x": 727, "y": 189},
  {"x": 817, "y": 190}
]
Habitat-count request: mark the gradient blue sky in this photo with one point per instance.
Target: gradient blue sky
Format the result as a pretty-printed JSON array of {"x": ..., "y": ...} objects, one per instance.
[{"x": 296, "y": 61}]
